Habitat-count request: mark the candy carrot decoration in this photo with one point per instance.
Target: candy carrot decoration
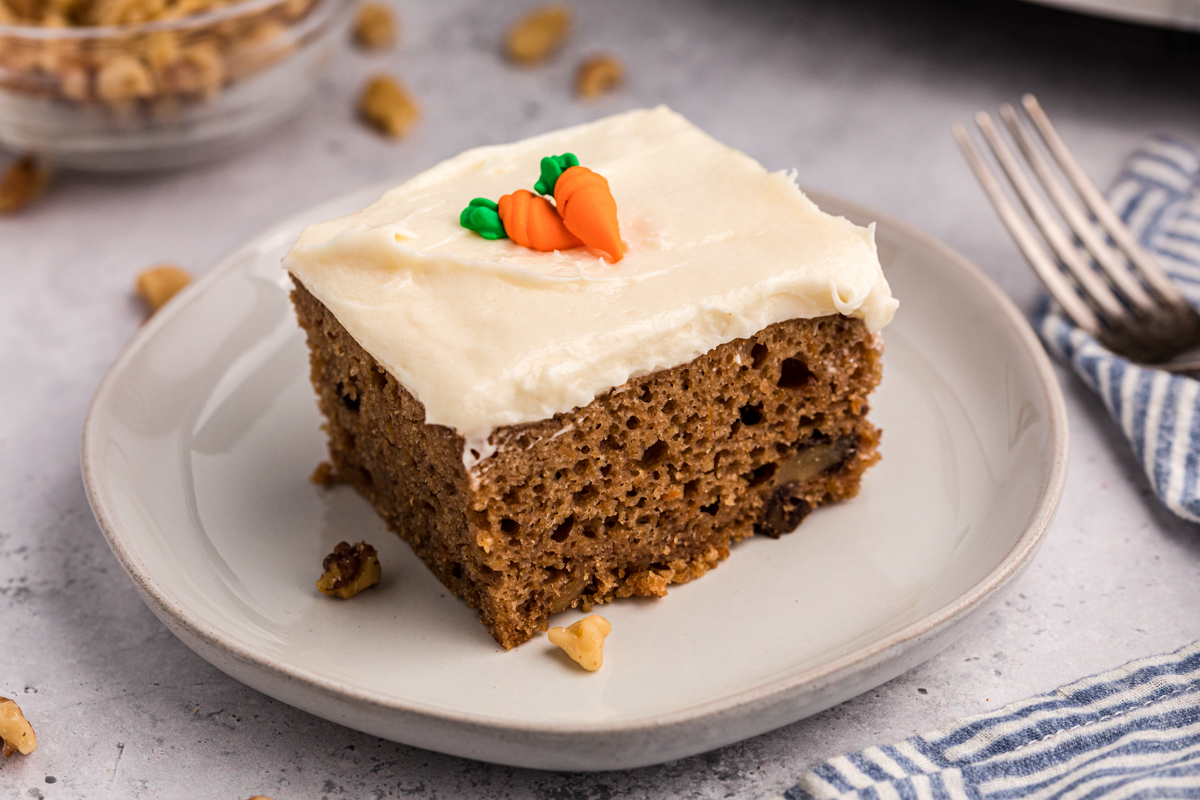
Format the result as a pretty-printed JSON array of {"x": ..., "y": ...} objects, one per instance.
[
  {"x": 584, "y": 202},
  {"x": 531, "y": 221},
  {"x": 522, "y": 216},
  {"x": 482, "y": 217},
  {"x": 585, "y": 212}
]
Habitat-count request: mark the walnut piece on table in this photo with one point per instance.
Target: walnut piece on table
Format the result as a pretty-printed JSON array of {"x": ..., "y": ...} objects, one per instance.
[
  {"x": 23, "y": 181},
  {"x": 375, "y": 26},
  {"x": 537, "y": 35},
  {"x": 349, "y": 569},
  {"x": 160, "y": 283},
  {"x": 388, "y": 106},
  {"x": 598, "y": 75},
  {"x": 15, "y": 731},
  {"x": 583, "y": 641}
]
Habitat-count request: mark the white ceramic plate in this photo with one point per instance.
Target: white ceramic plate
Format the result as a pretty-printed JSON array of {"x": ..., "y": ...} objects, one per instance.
[
  {"x": 1165, "y": 13},
  {"x": 199, "y": 444}
]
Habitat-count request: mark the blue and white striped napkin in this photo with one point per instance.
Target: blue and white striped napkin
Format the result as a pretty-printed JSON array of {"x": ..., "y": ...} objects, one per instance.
[
  {"x": 1133, "y": 732},
  {"x": 1158, "y": 196}
]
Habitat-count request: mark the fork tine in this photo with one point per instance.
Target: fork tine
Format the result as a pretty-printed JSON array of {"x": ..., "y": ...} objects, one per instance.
[
  {"x": 1106, "y": 258},
  {"x": 1141, "y": 261},
  {"x": 1093, "y": 286},
  {"x": 1060, "y": 288}
]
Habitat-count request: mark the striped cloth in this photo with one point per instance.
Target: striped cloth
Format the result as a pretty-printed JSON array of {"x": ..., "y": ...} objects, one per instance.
[
  {"x": 1158, "y": 196},
  {"x": 1133, "y": 732}
]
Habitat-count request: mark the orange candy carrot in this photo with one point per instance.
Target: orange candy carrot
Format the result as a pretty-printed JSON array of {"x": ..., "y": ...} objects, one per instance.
[
  {"x": 588, "y": 209},
  {"x": 530, "y": 221}
]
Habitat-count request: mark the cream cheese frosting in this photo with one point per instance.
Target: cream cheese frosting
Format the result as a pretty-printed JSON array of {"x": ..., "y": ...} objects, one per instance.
[{"x": 488, "y": 333}]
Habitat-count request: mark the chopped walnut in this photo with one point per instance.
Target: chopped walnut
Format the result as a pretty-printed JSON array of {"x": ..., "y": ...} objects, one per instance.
[
  {"x": 374, "y": 27},
  {"x": 122, "y": 79},
  {"x": 76, "y": 83},
  {"x": 388, "y": 106},
  {"x": 199, "y": 71},
  {"x": 583, "y": 641},
  {"x": 126, "y": 12},
  {"x": 349, "y": 569},
  {"x": 598, "y": 75},
  {"x": 160, "y": 283},
  {"x": 146, "y": 73},
  {"x": 23, "y": 181},
  {"x": 538, "y": 34},
  {"x": 15, "y": 731}
]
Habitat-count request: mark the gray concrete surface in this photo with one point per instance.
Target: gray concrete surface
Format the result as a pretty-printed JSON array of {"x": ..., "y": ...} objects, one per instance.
[{"x": 858, "y": 95}]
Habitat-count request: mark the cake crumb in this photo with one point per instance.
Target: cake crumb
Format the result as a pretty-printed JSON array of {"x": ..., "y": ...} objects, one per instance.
[
  {"x": 160, "y": 283},
  {"x": 15, "y": 731},
  {"x": 583, "y": 641},
  {"x": 323, "y": 474},
  {"x": 538, "y": 34},
  {"x": 23, "y": 181},
  {"x": 388, "y": 106},
  {"x": 349, "y": 569},
  {"x": 375, "y": 26},
  {"x": 598, "y": 75}
]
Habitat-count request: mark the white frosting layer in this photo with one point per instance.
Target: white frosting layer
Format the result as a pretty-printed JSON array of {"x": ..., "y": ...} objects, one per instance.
[{"x": 488, "y": 333}]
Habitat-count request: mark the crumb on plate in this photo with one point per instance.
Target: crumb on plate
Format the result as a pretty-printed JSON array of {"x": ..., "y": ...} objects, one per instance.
[
  {"x": 349, "y": 569},
  {"x": 323, "y": 474},
  {"x": 583, "y": 641}
]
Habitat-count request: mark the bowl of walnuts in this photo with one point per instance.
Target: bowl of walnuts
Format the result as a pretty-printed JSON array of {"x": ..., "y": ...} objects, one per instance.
[{"x": 125, "y": 85}]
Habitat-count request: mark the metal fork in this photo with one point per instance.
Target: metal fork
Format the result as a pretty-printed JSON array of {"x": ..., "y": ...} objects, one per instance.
[{"x": 1105, "y": 282}]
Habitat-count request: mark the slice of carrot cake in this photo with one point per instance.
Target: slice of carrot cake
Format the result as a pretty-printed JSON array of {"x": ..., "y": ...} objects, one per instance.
[{"x": 578, "y": 367}]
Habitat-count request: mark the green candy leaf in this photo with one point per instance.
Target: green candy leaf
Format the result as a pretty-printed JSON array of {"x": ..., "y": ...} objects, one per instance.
[
  {"x": 483, "y": 217},
  {"x": 552, "y": 167}
]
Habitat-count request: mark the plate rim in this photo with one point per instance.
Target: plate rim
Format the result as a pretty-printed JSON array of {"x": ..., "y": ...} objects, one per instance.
[{"x": 846, "y": 666}]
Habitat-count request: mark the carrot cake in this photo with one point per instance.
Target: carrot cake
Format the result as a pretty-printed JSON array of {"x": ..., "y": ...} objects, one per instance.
[{"x": 556, "y": 428}]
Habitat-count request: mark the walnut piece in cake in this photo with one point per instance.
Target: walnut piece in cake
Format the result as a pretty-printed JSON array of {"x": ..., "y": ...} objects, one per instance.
[
  {"x": 349, "y": 569},
  {"x": 15, "y": 731},
  {"x": 583, "y": 641}
]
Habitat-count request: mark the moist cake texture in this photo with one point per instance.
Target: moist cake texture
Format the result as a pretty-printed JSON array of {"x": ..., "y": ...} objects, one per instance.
[
  {"x": 551, "y": 430},
  {"x": 646, "y": 486}
]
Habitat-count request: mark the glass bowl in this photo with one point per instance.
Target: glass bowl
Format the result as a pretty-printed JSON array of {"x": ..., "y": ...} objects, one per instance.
[{"x": 166, "y": 93}]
